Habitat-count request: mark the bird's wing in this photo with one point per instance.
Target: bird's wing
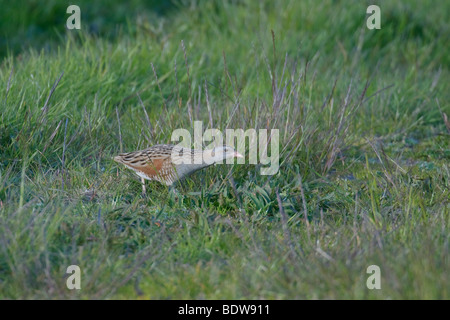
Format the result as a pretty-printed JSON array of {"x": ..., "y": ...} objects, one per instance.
[{"x": 153, "y": 162}]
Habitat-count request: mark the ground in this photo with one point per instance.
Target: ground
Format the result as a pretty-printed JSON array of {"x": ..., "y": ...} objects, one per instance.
[{"x": 363, "y": 117}]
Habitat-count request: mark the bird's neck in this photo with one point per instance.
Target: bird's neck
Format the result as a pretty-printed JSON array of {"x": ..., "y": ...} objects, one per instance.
[
  {"x": 208, "y": 159},
  {"x": 195, "y": 158}
]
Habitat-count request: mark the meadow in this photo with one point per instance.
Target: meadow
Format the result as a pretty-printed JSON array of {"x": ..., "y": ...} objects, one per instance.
[{"x": 364, "y": 123}]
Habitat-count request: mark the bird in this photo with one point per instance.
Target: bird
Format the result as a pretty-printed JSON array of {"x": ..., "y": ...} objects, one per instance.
[{"x": 167, "y": 163}]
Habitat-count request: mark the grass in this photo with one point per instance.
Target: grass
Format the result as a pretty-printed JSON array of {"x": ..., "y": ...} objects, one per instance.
[{"x": 364, "y": 153}]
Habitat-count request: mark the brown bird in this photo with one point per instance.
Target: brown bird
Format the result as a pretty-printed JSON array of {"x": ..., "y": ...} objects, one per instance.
[{"x": 169, "y": 163}]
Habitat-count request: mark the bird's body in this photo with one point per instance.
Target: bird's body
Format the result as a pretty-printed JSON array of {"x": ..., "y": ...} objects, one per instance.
[{"x": 169, "y": 163}]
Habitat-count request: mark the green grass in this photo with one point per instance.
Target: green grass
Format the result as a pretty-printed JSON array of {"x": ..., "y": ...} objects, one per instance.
[{"x": 364, "y": 175}]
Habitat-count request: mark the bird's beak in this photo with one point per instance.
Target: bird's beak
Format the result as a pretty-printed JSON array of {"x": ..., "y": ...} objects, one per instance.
[{"x": 238, "y": 155}]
